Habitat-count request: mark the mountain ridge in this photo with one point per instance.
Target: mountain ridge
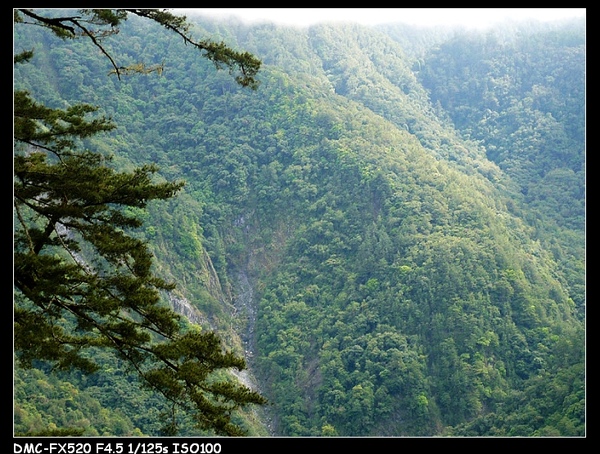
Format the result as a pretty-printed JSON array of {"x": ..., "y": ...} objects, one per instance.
[{"x": 400, "y": 287}]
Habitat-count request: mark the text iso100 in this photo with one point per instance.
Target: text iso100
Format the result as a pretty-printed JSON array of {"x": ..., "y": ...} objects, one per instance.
[{"x": 196, "y": 448}]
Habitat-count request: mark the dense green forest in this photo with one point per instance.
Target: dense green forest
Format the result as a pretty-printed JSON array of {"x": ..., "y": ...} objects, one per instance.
[{"x": 390, "y": 229}]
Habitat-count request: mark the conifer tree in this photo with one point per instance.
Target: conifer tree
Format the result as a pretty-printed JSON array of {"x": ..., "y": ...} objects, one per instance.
[{"x": 82, "y": 280}]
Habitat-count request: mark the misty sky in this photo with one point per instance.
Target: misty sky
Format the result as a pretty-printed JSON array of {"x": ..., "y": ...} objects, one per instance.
[{"x": 467, "y": 17}]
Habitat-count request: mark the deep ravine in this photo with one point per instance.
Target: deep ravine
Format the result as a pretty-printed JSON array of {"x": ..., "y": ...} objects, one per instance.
[{"x": 246, "y": 307}]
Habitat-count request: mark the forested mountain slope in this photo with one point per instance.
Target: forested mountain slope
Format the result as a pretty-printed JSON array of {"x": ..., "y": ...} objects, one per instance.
[{"x": 395, "y": 239}]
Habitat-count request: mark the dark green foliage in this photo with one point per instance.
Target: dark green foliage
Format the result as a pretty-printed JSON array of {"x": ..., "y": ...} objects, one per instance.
[
  {"x": 54, "y": 211},
  {"x": 84, "y": 22},
  {"x": 83, "y": 280}
]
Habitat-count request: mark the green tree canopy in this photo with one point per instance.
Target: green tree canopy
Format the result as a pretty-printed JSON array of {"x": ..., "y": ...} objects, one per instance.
[
  {"x": 82, "y": 280},
  {"x": 96, "y": 24}
]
